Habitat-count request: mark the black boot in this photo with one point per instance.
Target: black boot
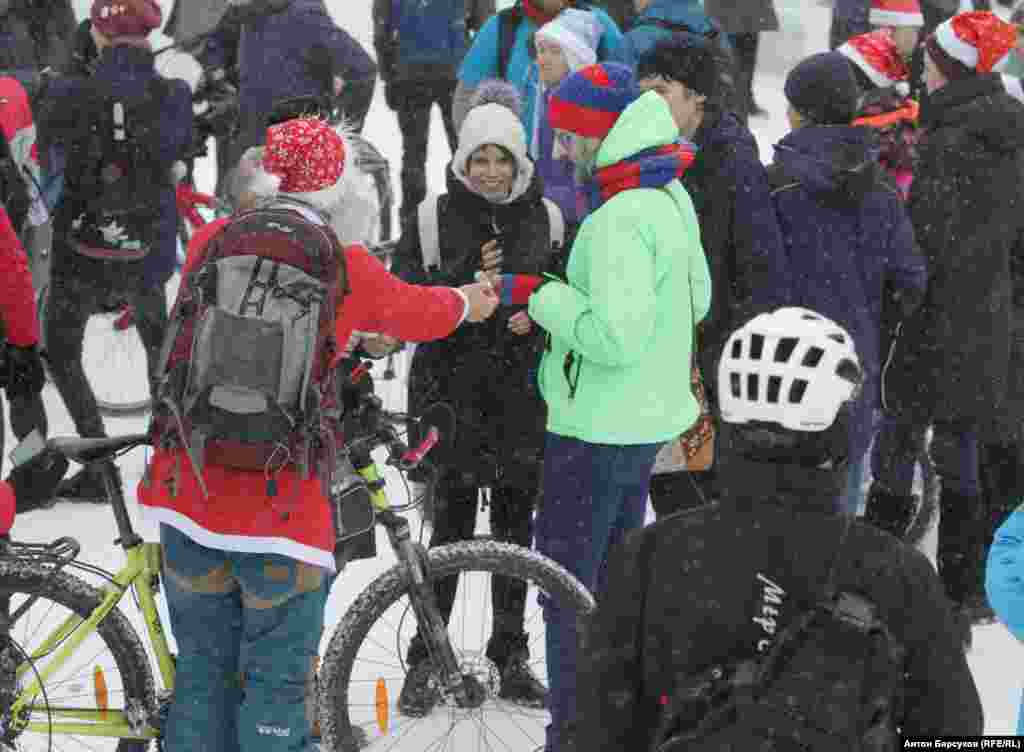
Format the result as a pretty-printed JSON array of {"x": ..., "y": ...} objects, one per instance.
[
  {"x": 891, "y": 512},
  {"x": 518, "y": 684},
  {"x": 87, "y": 484},
  {"x": 35, "y": 483}
]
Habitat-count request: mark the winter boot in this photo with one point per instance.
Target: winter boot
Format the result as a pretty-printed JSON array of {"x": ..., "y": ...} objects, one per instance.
[
  {"x": 36, "y": 481},
  {"x": 87, "y": 484},
  {"x": 890, "y": 512},
  {"x": 419, "y": 693},
  {"x": 518, "y": 684}
]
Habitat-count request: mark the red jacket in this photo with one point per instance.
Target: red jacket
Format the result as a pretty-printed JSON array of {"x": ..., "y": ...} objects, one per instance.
[
  {"x": 238, "y": 515},
  {"x": 17, "y": 298}
]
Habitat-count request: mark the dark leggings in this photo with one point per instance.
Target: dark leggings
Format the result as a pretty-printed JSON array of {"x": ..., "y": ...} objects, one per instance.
[
  {"x": 511, "y": 522},
  {"x": 71, "y": 302}
]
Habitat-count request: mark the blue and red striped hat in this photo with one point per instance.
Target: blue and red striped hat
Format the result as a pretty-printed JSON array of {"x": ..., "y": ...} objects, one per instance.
[{"x": 589, "y": 101}]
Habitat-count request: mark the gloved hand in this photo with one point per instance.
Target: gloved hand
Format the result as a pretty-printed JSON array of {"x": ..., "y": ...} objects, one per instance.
[
  {"x": 516, "y": 289},
  {"x": 25, "y": 375}
]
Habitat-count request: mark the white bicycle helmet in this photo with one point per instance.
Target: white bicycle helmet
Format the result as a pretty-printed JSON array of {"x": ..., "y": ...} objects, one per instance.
[{"x": 793, "y": 367}]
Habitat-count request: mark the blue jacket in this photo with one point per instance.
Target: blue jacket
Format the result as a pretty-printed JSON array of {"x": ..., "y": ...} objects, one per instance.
[
  {"x": 272, "y": 55},
  {"x": 645, "y": 32},
  {"x": 848, "y": 237},
  {"x": 481, "y": 62},
  {"x": 130, "y": 69},
  {"x": 1004, "y": 580}
]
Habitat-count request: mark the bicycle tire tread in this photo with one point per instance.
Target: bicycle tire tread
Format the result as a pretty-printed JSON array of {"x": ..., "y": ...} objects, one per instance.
[
  {"x": 115, "y": 630},
  {"x": 379, "y": 595}
]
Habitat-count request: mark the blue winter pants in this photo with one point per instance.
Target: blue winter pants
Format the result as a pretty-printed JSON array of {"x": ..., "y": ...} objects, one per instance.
[
  {"x": 592, "y": 495},
  {"x": 248, "y": 630}
]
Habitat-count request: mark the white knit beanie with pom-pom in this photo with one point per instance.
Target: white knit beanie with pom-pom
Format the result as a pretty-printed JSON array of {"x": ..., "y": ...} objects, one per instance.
[{"x": 494, "y": 118}]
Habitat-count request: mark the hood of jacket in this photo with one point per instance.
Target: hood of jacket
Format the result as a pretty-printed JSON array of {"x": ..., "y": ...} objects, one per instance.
[
  {"x": 644, "y": 124},
  {"x": 981, "y": 107},
  {"x": 687, "y": 12},
  {"x": 725, "y": 130},
  {"x": 524, "y": 193},
  {"x": 837, "y": 164}
]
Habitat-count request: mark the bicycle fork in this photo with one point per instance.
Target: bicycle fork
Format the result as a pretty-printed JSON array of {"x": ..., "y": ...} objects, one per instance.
[{"x": 466, "y": 689}]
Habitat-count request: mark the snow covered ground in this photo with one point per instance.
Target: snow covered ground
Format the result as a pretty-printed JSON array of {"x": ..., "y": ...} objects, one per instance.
[{"x": 996, "y": 657}]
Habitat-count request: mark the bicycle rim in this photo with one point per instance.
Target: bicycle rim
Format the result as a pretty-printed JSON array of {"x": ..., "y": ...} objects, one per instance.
[
  {"x": 364, "y": 666},
  {"x": 109, "y": 671}
]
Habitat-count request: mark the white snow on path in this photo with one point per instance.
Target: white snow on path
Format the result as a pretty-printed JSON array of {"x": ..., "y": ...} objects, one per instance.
[{"x": 996, "y": 658}]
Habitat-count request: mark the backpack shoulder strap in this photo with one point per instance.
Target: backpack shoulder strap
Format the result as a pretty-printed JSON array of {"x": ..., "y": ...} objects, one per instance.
[
  {"x": 428, "y": 219},
  {"x": 556, "y": 223},
  {"x": 508, "y": 25}
]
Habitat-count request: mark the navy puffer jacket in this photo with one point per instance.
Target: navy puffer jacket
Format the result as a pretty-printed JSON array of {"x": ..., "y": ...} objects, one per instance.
[{"x": 848, "y": 237}]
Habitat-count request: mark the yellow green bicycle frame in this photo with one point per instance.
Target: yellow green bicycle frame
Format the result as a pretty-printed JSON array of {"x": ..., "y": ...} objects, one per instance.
[{"x": 141, "y": 572}]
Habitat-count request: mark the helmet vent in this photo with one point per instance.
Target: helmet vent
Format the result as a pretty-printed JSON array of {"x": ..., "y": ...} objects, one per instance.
[
  {"x": 737, "y": 350},
  {"x": 752, "y": 386},
  {"x": 812, "y": 357},
  {"x": 785, "y": 349},
  {"x": 797, "y": 390},
  {"x": 756, "y": 346},
  {"x": 734, "y": 385},
  {"x": 774, "y": 387}
]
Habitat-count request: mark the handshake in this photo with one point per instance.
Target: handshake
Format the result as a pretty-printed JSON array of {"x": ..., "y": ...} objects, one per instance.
[{"x": 493, "y": 288}]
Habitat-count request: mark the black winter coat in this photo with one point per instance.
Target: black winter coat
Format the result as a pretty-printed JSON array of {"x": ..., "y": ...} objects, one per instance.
[
  {"x": 684, "y": 594},
  {"x": 35, "y": 34},
  {"x": 739, "y": 232},
  {"x": 485, "y": 372},
  {"x": 953, "y": 358}
]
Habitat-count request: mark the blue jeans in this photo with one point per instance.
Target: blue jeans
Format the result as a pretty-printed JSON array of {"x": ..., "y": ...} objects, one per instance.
[
  {"x": 248, "y": 630},
  {"x": 592, "y": 495}
]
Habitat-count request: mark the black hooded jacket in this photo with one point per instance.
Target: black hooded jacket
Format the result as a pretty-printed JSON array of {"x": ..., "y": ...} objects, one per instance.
[
  {"x": 688, "y": 593},
  {"x": 958, "y": 357},
  {"x": 484, "y": 371}
]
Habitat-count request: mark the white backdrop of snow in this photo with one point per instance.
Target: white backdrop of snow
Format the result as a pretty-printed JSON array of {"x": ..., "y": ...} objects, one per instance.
[{"x": 996, "y": 656}]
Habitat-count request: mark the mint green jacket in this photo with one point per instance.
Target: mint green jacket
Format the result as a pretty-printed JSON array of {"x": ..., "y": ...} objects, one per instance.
[{"x": 637, "y": 282}]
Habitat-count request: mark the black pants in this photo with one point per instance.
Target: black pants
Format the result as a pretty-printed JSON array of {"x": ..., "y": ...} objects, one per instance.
[
  {"x": 511, "y": 522},
  {"x": 413, "y": 103},
  {"x": 72, "y": 301}
]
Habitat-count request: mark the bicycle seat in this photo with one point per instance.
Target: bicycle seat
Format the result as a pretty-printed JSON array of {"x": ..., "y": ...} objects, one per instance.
[{"x": 85, "y": 451}]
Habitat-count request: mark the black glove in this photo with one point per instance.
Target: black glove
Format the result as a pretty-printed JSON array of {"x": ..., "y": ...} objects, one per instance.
[
  {"x": 24, "y": 372},
  {"x": 391, "y": 97}
]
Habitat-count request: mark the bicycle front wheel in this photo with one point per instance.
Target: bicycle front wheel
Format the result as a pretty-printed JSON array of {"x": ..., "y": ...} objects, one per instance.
[
  {"x": 109, "y": 671},
  {"x": 364, "y": 668}
]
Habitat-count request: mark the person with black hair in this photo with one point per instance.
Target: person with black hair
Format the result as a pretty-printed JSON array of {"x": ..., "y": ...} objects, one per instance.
[
  {"x": 36, "y": 34},
  {"x": 724, "y": 583},
  {"x": 846, "y": 232},
  {"x": 739, "y": 231}
]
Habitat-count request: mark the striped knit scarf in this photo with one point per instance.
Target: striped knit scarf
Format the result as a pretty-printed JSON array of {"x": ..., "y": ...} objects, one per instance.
[{"x": 650, "y": 168}]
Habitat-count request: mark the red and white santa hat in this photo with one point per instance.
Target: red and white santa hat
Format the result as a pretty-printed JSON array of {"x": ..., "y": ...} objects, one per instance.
[
  {"x": 895, "y": 13},
  {"x": 974, "y": 42},
  {"x": 308, "y": 159},
  {"x": 878, "y": 57}
]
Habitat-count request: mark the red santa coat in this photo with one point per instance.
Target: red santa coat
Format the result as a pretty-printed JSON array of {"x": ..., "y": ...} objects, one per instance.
[
  {"x": 17, "y": 297},
  {"x": 238, "y": 514}
]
